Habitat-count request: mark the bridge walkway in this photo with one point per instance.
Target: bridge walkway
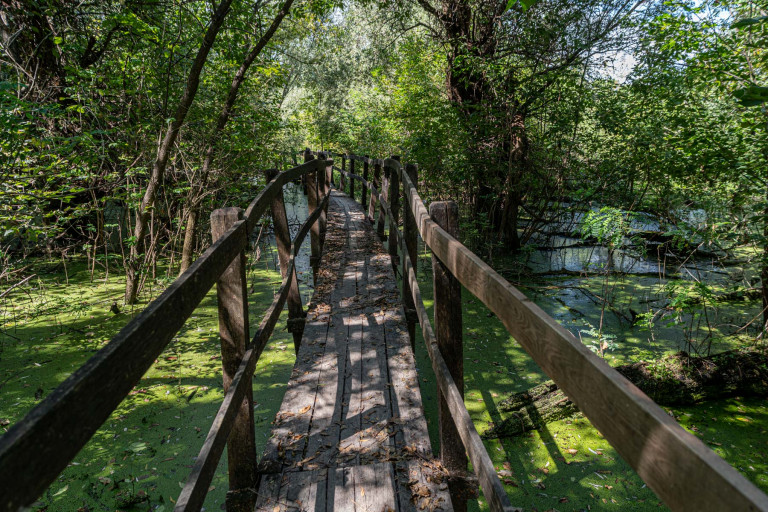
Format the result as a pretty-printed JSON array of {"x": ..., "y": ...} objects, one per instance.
[{"x": 351, "y": 432}]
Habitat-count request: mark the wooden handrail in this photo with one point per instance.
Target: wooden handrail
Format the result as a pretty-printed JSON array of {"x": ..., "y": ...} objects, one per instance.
[
  {"x": 37, "y": 448},
  {"x": 196, "y": 487},
  {"x": 683, "y": 472}
]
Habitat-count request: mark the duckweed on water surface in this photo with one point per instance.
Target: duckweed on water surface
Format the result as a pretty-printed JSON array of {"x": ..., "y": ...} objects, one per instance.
[
  {"x": 568, "y": 465},
  {"x": 143, "y": 453}
]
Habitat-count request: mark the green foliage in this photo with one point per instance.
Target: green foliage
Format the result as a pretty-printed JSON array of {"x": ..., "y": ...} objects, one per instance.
[{"x": 609, "y": 225}]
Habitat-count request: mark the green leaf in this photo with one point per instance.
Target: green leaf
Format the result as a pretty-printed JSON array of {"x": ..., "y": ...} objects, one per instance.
[
  {"x": 525, "y": 4},
  {"x": 749, "y": 21},
  {"x": 752, "y": 95}
]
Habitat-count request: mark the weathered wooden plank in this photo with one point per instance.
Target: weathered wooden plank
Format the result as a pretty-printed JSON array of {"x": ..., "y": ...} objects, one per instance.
[
  {"x": 363, "y": 195},
  {"x": 37, "y": 448},
  {"x": 313, "y": 198},
  {"x": 344, "y": 490},
  {"x": 481, "y": 462},
  {"x": 288, "y": 444},
  {"x": 394, "y": 205},
  {"x": 326, "y": 422},
  {"x": 421, "y": 485},
  {"x": 375, "y": 186},
  {"x": 411, "y": 238},
  {"x": 683, "y": 472},
  {"x": 268, "y": 494},
  {"x": 196, "y": 488},
  {"x": 383, "y": 202},
  {"x": 448, "y": 332}
]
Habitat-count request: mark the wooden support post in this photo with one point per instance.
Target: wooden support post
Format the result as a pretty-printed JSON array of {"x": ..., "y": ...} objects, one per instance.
[
  {"x": 448, "y": 331},
  {"x": 377, "y": 184},
  {"x": 314, "y": 232},
  {"x": 383, "y": 190},
  {"x": 394, "y": 206},
  {"x": 283, "y": 238},
  {"x": 364, "y": 196},
  {"x": 342, "y": 178},
  {"x": 322, "y": 190},
  {"x": 410, "y": 233},
  {"x": 328, "y": 179},
  {"x": 231, "y": 291},
  {"x": 351, "y": 180}
]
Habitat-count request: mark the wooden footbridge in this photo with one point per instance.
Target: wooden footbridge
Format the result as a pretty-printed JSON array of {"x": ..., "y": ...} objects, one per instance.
[{"x": 351, "y": 432}]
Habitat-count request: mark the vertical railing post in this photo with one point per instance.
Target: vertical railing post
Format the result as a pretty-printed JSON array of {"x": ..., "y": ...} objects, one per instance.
[
  {"x": 231, "y": 292},
  {"x": 377, "y": 184},
  {"x": 342, "y": 178},
  {"x": 411, "y": 239},
  {"x": 351, "y": 180},
  {"x": 394, "y": 206},
  {"x": 322, "y": 191},
  {"x": 328, "y": 178},
  {"x": 364, "y": 196},
  {"x": 283, "y": 238},
  {"x": 314, "y": 230},
  {"x": 448, "y": 331},
  {"x": 385, "y": 198}
]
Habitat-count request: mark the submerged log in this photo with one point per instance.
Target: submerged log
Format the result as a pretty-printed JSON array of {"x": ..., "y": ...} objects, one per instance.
[{"x": 678, "y": 379}]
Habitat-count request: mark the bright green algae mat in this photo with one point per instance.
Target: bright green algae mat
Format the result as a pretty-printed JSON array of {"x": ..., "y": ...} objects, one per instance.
[
  {"x": 143, "y": 453},
  {"x": 139, "y": 457},
  {"x": 569, "y": 466}
]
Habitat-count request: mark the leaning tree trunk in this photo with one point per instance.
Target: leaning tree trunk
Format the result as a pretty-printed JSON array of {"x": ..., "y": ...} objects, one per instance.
[
  {"x": 164, "y": 151},
  {"x": 234, "y": 89},
  {"x": 764, "y": 269},
  {"x": 675, "y": 380}
]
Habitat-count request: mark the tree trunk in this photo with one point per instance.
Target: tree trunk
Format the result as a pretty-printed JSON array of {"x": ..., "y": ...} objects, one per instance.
[
  {"x": 210, "y": 151},
  {"x": 188, "y": 249},
  {"x": 675, "y": 380},
  {"x": 164, "y": 151},
  {"x": 764, "y": 269}
]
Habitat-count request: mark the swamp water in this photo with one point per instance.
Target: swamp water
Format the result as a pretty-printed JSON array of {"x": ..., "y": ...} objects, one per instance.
[
  {"x": 655, "y": 306},
  {"x": 141, "y": 456}
]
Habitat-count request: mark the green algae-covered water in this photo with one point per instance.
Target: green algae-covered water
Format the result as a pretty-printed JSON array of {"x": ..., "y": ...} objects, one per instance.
[
  {"x": 142, "y": 455},
  {"x": 568, "y": 465}
]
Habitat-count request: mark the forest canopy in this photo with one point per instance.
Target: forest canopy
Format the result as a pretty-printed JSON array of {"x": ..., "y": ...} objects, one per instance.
[{"x": 124, "y": 123}]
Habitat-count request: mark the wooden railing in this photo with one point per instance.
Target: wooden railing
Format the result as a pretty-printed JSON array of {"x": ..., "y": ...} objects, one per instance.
[
  {"x": 682, "y": 471},
  {"x": 37, "y": 448}
]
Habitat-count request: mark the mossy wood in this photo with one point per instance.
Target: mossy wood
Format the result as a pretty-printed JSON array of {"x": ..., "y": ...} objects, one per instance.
[{"x": 674, "y": 380}]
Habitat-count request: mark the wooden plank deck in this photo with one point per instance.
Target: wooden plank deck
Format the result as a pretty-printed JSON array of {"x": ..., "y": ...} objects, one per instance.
[{"x": 351, "y": 432}]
